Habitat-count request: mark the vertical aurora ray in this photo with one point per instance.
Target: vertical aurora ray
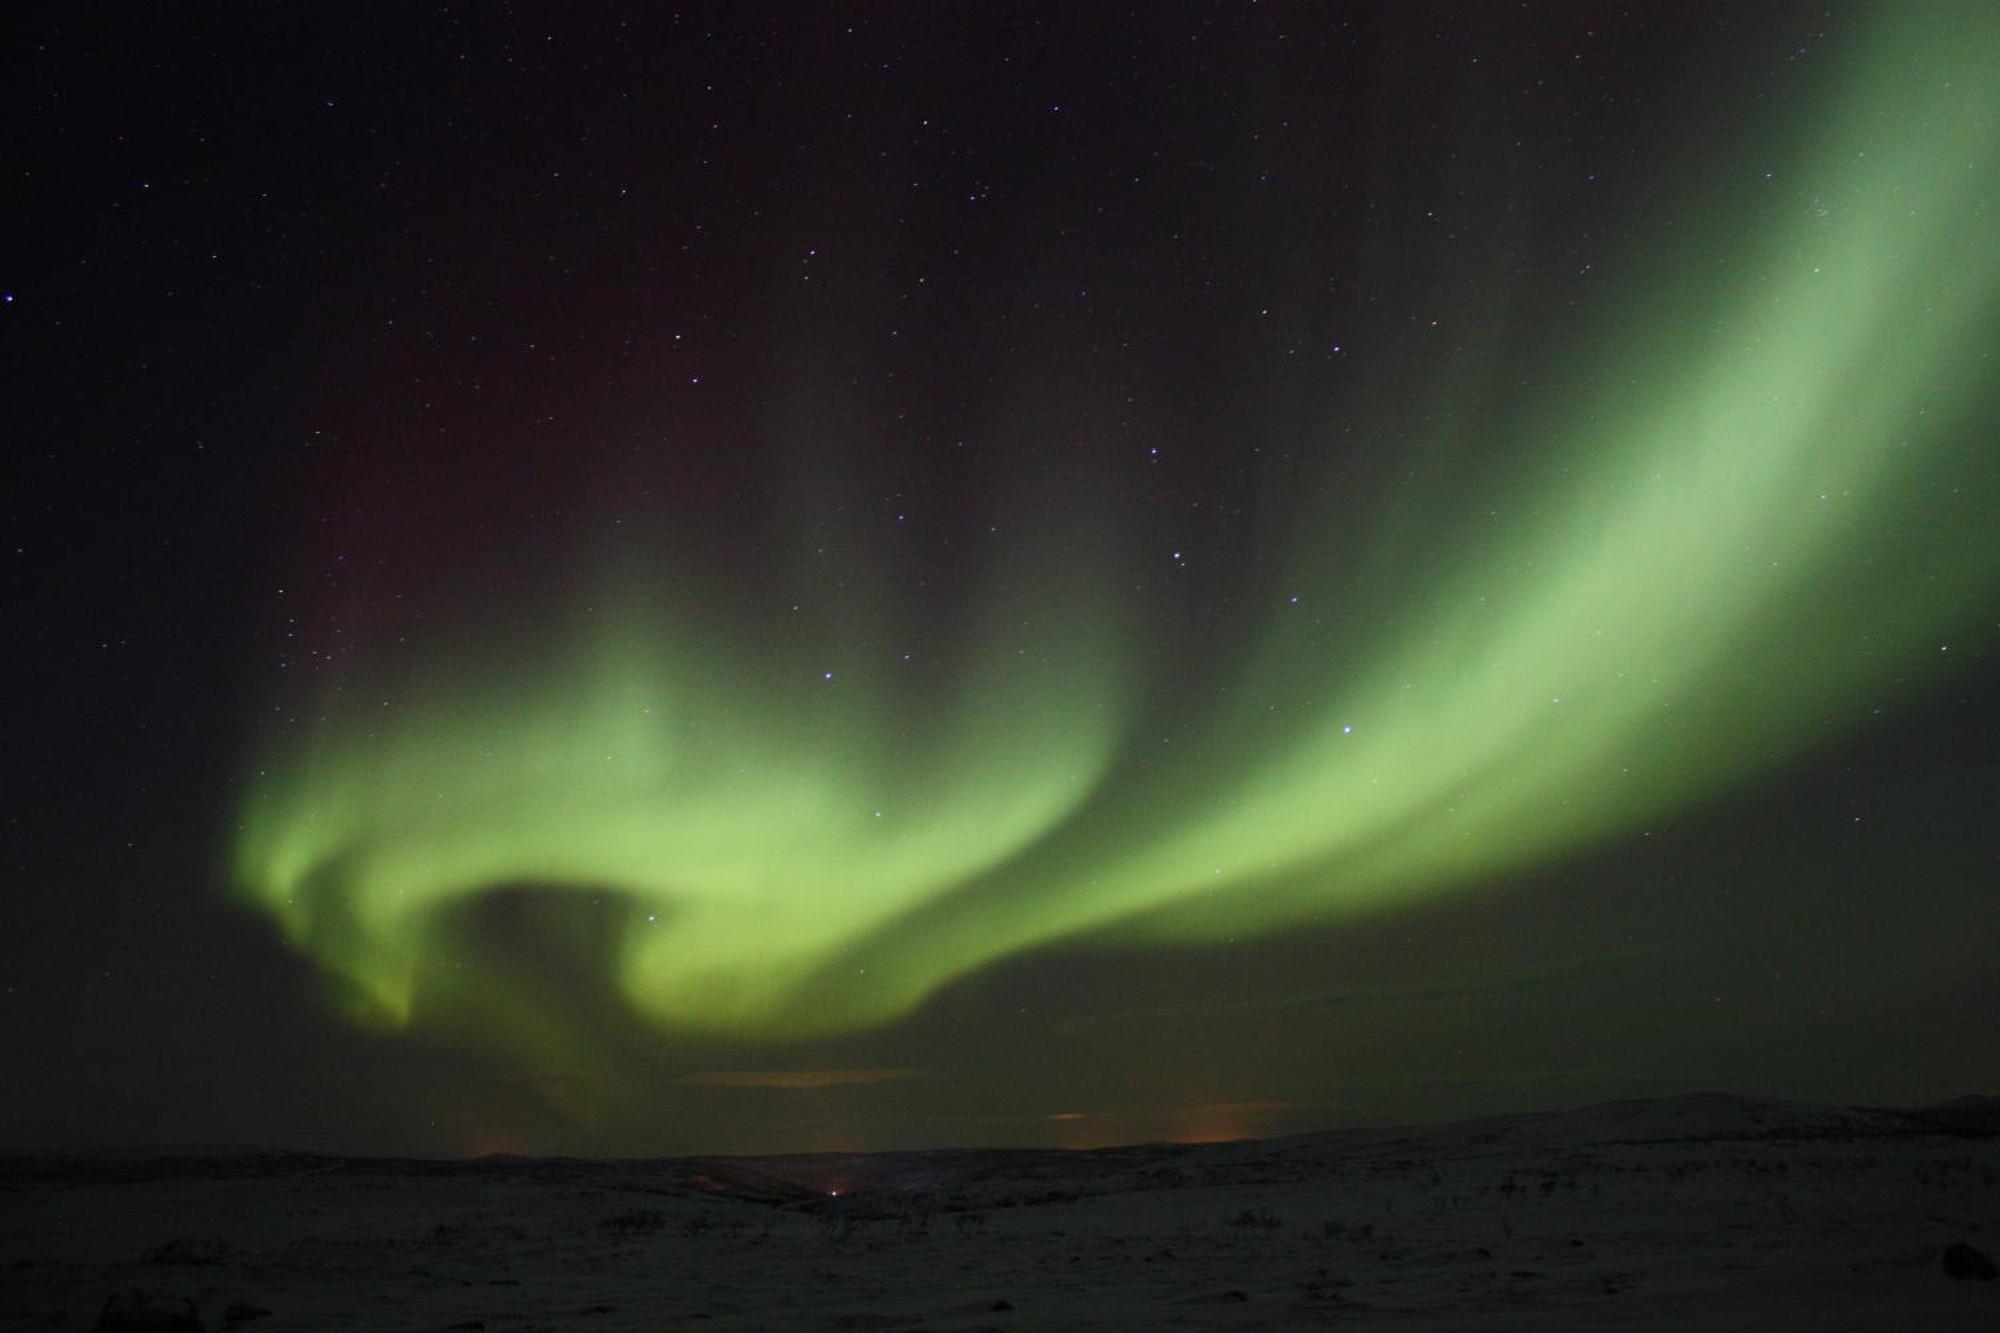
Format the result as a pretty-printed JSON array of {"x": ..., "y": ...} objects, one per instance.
[{"x": 1723, "y": 540}]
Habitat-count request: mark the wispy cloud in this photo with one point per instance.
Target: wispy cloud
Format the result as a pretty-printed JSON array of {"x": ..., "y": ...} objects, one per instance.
[
  {"x": 795, "y": 1078},
  {"x": 1257, "y": 1107}
]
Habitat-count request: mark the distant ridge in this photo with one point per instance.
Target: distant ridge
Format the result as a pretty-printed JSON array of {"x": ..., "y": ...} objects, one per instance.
[
  {"x": 816, "y": 1178},
  {"x": 1974, "y": 1116},
  {"x": 1688, "y": 1116},
  {"x": 726, "y": 1177}
]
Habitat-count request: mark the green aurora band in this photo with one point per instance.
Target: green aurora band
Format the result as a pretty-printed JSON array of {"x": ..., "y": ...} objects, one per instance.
[{"x": 1749, "y": 525}]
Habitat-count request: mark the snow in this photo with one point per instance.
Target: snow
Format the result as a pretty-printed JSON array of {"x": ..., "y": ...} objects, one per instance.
[{"x": 1707, "y": 1211}]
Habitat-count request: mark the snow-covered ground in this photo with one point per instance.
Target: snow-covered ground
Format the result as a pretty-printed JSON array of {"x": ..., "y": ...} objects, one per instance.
[{"x": 1706, "y": 1212}]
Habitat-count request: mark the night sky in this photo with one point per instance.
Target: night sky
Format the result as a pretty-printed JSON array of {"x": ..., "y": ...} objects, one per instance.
[{"x": 753, "y": 578}]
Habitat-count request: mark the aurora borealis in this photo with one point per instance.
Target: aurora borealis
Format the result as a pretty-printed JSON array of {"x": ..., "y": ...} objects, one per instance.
[
  {"x": 1147, "y": 497},
  {"x": 1687, "y": 596}
]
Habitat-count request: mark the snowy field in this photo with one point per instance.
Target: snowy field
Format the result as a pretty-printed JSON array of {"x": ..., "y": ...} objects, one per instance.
[{"x": 1705, "y": 1212}]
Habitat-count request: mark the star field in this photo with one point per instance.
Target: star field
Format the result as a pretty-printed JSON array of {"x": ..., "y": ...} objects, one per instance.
[{"x": 1277, "y": 557}]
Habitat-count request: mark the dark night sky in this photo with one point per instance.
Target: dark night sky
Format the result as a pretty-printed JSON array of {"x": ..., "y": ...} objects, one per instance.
[{"x": 628, "y": 579}]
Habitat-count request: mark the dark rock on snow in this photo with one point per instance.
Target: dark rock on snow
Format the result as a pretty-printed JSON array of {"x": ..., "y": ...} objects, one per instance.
[{"x": 1967, "y": 1264}]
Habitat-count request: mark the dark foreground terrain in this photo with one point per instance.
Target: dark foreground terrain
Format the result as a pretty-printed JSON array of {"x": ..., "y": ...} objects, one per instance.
[{"x": 1695, "y": 1212}]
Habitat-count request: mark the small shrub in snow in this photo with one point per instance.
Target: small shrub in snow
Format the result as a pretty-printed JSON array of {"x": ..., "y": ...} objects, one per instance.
[{"x": 189, "y": 1250}]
